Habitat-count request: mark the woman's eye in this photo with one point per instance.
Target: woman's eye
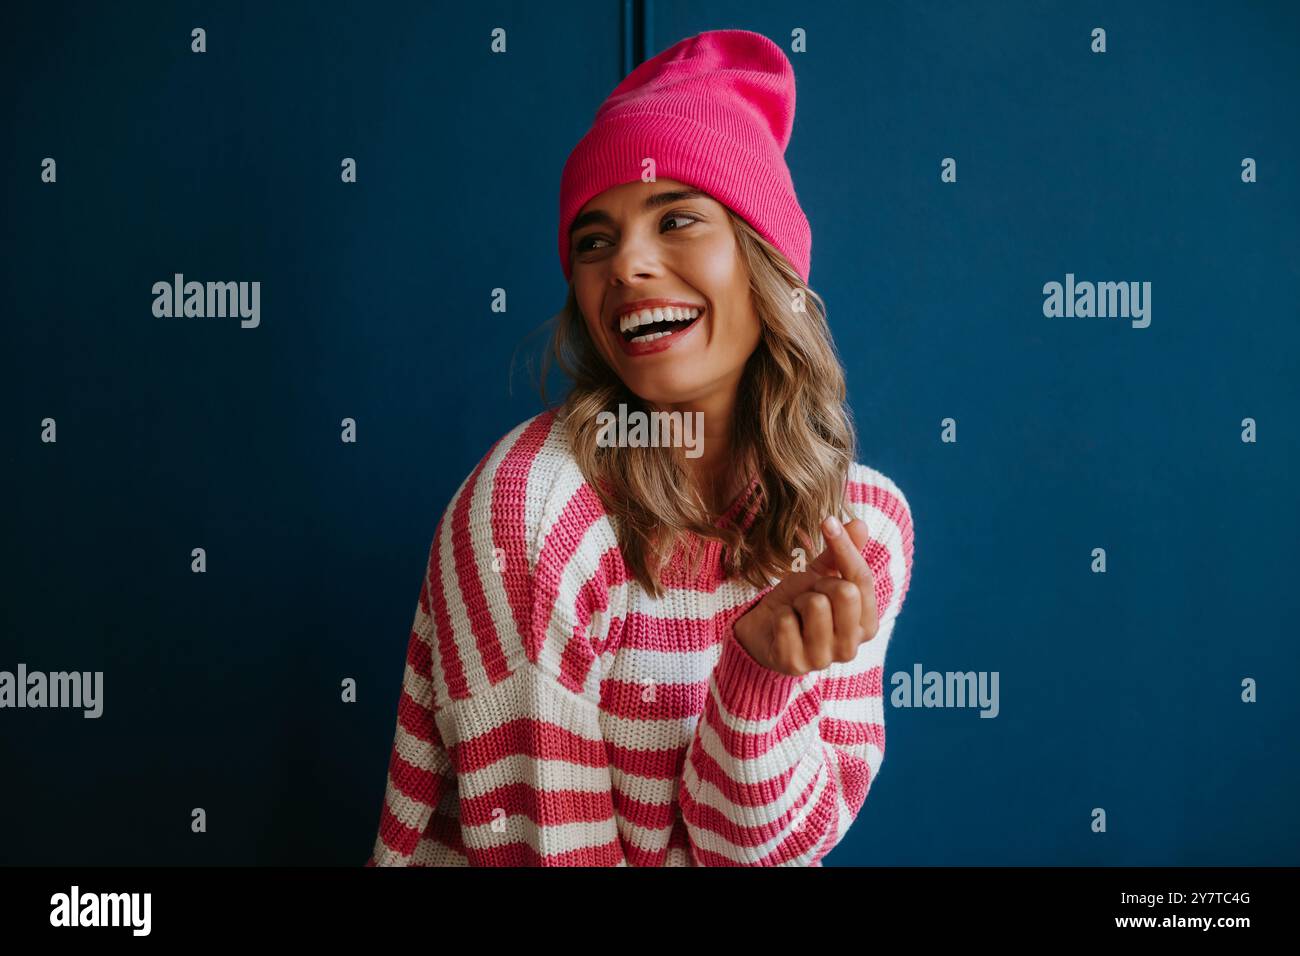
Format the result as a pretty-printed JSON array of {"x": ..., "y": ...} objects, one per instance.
[
  {"x": 586, "y": 243},
  {"x": 677, "y": 215}
]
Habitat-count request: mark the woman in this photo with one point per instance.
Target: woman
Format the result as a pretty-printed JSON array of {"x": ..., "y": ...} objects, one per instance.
[{"x": 632, "y": 654}]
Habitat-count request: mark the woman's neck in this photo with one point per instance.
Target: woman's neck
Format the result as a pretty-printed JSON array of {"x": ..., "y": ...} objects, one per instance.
[{"x": 717, "y": 478}]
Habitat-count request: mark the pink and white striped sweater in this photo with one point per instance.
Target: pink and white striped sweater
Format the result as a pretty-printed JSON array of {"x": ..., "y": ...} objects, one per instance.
[{"x": 553, "y": 714}]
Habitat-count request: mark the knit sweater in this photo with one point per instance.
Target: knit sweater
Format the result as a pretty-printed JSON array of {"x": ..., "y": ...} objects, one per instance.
[{"x": 553, "y": 713}]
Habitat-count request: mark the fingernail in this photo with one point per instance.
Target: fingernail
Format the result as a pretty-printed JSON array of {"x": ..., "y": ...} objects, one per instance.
[{"x": 832, "y": 526}]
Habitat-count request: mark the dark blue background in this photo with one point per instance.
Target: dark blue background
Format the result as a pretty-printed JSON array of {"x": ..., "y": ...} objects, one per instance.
[{"x": 1119, "y": 690}]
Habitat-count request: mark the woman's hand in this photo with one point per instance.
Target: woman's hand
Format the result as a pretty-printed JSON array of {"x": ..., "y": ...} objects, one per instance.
[{"x": 815, "y": 617}]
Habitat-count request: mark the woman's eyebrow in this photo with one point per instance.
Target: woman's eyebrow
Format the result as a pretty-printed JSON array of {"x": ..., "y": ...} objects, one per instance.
[{"x": 652, "y": 202}]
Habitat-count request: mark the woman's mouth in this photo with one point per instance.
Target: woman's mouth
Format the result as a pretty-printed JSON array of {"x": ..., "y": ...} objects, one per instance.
[{"x": 654, "y": 330}]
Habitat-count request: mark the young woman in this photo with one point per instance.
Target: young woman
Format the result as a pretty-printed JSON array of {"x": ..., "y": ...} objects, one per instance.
[{"x": 634, "y": 652}]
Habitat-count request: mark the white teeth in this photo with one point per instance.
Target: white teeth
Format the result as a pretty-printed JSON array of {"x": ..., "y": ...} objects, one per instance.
[
  {"x": 647, "y": 316},
  {"x": 651, "y": 337}
]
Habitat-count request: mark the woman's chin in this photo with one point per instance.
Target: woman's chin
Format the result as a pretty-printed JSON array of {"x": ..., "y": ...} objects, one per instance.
[{"x": 663, "y": 389}]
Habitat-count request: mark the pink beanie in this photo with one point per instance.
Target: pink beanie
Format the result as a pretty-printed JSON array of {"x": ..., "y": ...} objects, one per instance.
[{"x": 714, "y": 111}]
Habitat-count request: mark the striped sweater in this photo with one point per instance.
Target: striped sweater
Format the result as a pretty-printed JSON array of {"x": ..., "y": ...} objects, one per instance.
[{"x": 553, "y": 713}]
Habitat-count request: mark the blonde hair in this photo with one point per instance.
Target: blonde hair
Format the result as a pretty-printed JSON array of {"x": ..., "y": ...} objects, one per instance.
[{"x": 792, "y": 433}]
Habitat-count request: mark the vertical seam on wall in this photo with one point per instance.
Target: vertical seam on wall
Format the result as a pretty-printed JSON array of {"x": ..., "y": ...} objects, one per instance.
[
  {"x": 636, "y": 34},
  {"x": 647, "y": 28}
]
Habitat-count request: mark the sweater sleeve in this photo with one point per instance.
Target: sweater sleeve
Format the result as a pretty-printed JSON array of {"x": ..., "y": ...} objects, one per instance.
[
  {"x": 416, "y": 826},
  {"x": 498, "y": 758},
  {"x": 779, "y": 766}
]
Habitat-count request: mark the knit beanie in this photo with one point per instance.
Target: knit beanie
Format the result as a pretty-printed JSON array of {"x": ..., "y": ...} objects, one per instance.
[{"x": 714, "y": 111}]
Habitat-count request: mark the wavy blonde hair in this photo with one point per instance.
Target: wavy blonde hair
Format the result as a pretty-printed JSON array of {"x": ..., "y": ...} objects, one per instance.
[{"x": 792, "y": 434}]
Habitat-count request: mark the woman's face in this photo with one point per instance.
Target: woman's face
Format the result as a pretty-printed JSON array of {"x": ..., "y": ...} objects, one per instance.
[{"x": 651, "y": 244}]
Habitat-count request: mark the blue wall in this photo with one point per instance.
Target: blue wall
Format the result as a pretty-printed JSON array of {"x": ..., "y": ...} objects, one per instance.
[{"x": 1119, "y": 690}]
